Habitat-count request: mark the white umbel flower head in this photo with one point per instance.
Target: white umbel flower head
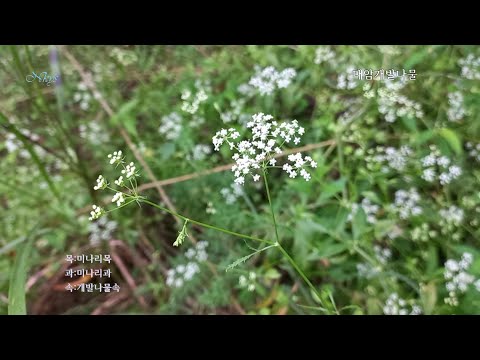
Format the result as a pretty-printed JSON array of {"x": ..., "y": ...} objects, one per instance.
[
  {"x": 101, "y": 183},
  {"x": 129, "y": 170},
  {"x": 116, "y": 157},
  {"x": 257, "y": 153},
  {"x": 118, "y": 198},
  {"x": 268, "y": 79},
  {"x": 119, "y": 181},
  {"x": 96, "y": 212}
]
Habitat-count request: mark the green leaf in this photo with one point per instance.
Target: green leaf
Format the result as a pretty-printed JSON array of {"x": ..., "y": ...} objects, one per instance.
[
  {"x": 333, "y": 249},
  {"x": 16, "y": 292},
  {"x": 410, "y": 124},
  {"x": 359, "y": 224},
  {"x": 428, "y": 294},
  {"x": 245, "y": 258},
  {"x": 452, "y": 138},
  {"x": 181, "y": 235},
  {"x": 332, "y": 188},
  {"x": 124, "y": 117},
  {"x": 416, "y": 58},
  {"x": 424, "y": 136}
]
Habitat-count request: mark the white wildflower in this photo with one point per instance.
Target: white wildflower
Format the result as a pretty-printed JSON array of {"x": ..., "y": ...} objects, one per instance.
[
  {"x": 268, "y": 79},
  {"x": 101, "y": 230},
  {"x": 171, "y": 126},
  {"x": 96, "y": 212},
  {"x": 118, "y": 198},
  {"x": 470, "y": 67},
  {"x": 458, "y": 280},
  {"x": 406, "y": 203},
  {"x": 323, "y": 54},
  {"x": 456, "y": 110},
  {"x": 395, "y": 305},
  {"x": 101, "y": 183},
  {"x": 129, "y": 170},
  {"x": 116, "y": 157}
]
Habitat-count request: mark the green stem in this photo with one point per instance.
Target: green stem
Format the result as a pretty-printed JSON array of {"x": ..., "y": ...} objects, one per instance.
[
  {"x": 271, "y": 205},
  {"x": 206, "y": 225},
  {"x": 282, "y": 250},
  {"x": 300, "y": 272}
]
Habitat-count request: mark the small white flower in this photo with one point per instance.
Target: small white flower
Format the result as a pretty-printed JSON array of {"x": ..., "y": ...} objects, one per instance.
[
  {"x": 118, "y": 197},
  {"x": 129, "y": 170},
  {"x": 406, "y": 203},
  {"x": 119, "y": 181},
  {"x": 96, "y": 212},
  {"x": 101, "y": 183},
  {"x": 116, "y": 157},
  {"x": 256, "y": 177},
  {"x": 267, "y": 79},
  {"x": 171, "y": 126}
]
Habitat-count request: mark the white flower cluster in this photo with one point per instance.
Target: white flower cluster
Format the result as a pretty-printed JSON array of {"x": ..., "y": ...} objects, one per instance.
[
  {"x": 246, "y": 90},
  {"x": 435, "y": 160},
  {"x": 171, "y": 126},
  {"x": 93, "y": 133},
  {"x": 119, "y": 181},
  {"x": 452, "y": 215},
  {"x": 473, "y": 150},
  {"x": 118, "y": 198},
  {"x": 299, "y": 163},
  {"x": 392, "y": 104},
  {"x": 470, "y": 67},
  {"x": 177, "y": 276},
  {"x": 382, "y": 254},
  {"x": 268, "y": 79},
  {"x": 457, "y": 278},
  {"x": 395, "y": 305},
  {"x": 347, "y": 80},
  {"x": 12, "y": 144},
  {"x": 367, "y": 271},
  {"x": 369, "y": 209},
  {"x": 323, "y": 54},
  {"x": 198, "y": 253},
  {"x": 210, "y": 208},
  {"x": 232, "y": 193},
  {"x": 248, "y": 283},
  {"x": 406, "y": 203},
  {"x": 390, "y": 157},
  {"x": 82, "y": 96},
  {"x": 116, "y": 157},
  {"x": 456, "y": 110},
  {"x": 101, "y": 230},
  {"x": 96, "y": 212},
  {"x": 191, "y": 102},
  {"x": 258, "y": 152},
  {"x": 130, "y": 170},
  {"x": 200, "y": 152},
  {"x": 101, "y": 183}
]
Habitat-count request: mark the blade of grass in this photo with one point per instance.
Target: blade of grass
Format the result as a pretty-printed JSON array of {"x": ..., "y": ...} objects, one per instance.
[
  {"x": 33, "y": 154},
  {"x": 16, "y": 292}
]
